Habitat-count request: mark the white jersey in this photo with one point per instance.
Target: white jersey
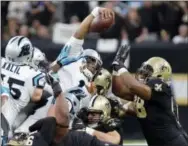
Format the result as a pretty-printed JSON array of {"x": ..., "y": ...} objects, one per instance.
[
  {"x": 21, "y": 80},
  {"x": 71, "y": 75}
]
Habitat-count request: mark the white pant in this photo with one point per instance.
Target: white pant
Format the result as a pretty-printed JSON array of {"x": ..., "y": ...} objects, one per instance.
[{"x": 39, "y": 114}]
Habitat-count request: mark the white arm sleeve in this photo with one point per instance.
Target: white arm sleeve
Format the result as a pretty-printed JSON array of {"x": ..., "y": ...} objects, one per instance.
[{"x": 75, "y": 47}]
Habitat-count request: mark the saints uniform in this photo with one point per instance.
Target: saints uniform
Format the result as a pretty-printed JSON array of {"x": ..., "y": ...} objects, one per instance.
[
  {"x": 107, "y": 129},
  {"x": 77, "y": 138},
  {"x": 157, "y": 117},
  {"x": 21, "y": 80}
]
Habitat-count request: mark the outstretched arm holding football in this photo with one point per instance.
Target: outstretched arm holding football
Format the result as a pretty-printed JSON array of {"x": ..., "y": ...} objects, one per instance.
[{"x": 97, "y": 21}]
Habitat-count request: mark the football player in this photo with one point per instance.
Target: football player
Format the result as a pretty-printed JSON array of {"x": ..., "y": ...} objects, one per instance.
[
  {"x": 97, "y": 121},
  {"x": 153, "y": 98},
  {"x": 24, "y": 82},
  {"x": 34, "y": 111},
  {"x": 85, "y": 63},
  {"x": 102, "y": 84}
]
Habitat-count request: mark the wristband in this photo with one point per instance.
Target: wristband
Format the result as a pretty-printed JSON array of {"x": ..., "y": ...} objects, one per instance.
[
  {"x": 89, "y": 131},
  {"x": 95, "y": 12}
]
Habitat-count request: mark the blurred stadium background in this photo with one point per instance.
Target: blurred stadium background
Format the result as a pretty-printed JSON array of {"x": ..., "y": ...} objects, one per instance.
[{"x": 152, "y": 28}]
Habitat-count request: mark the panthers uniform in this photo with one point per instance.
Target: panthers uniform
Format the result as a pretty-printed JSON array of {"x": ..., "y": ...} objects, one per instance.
[
  {"x": 70, "y": 75},
  {"x": 21, "y": 80},
  {"x": 158, "y": 117}
]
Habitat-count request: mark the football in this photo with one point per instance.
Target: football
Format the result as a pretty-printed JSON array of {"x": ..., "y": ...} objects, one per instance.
[{"x": 99, "y": 24}]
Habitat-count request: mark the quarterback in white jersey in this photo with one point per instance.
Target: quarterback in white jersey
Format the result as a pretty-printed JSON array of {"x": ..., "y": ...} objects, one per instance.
[
  {"x": 72, "y": 74},
  {"x": 85, "y": 64},
  {"x": 83, "y": 68},
  {"x": 25, "y": 83}
]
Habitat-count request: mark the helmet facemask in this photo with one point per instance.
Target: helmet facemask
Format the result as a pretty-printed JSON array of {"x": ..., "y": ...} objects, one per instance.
[
  {"x": 144, "y": 72},
  {"x": 93, "y": 65},
  {"x": 91, "y": 68},
  {"x": 99, "y": 111},
  {"x": 94, "y": 118},
  {"x": 155, "y": 67}
]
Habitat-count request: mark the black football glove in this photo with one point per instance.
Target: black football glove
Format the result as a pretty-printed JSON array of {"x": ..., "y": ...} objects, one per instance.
[
  {"x": 112, "y": 124},
  {"x": 82, "y": 114},
  {"x": 51, "y": 80},
  {"x": 46, "y": 129},
  {"x": 121, "y": 56},
  {"x": 78, "y": 125}
]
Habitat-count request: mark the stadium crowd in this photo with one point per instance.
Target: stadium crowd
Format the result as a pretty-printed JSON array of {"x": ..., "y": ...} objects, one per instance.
[{"x": 135, "y": 21}]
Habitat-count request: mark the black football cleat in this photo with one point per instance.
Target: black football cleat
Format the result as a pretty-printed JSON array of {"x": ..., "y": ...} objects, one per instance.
[{"x": 121, "y": 56}]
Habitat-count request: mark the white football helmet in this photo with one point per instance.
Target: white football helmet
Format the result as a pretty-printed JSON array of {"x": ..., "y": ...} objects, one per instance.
[
  {"x": 93, "y": 63},
  {"x": 19, "y": 49},
  {"x": 39, "y": 59}
]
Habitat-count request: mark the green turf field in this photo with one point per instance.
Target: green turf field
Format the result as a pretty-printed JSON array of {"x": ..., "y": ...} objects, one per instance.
[{"x": 134, "y": 143}]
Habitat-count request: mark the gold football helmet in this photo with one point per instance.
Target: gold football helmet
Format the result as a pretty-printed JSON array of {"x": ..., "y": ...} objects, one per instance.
[
  {"x": 103, "y": 81},
  {"x": 98, "y": 105},
  {"x": 155, "y": 67}
]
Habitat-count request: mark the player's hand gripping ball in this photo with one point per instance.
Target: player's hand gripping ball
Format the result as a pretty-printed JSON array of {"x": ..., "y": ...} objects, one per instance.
[{"x": 103, "y": 21}]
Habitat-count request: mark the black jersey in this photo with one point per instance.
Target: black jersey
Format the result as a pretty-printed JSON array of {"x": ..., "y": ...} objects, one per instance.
[
  {"x": 77, "y": 138},
  {"x": 158, "y": 116}
]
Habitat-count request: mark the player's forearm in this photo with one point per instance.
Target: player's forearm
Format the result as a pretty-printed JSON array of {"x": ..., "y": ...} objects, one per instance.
[
  {"x": 114, "y": 138},
  {"x": 111, "y": 137},
  {"x": 61, "y": 106},
  {"x": 84, "y": 27},
  {"x": 54, "y": 66},
  {"x": 128, "y": 85},
  {"x": 37, "y": 94},
  {"x": 62, "y": 110},
  {"x": 79, "y": 34}
]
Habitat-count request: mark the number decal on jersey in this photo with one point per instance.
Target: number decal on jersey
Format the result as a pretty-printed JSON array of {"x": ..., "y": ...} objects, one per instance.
[
  {"x": 30, "y": 140},
  {"x": 14, "y": 91},
  {"x": 14, "y": 86},
  {"x": 158, "y": 87},
  {"x": 140, "y": 109}
]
